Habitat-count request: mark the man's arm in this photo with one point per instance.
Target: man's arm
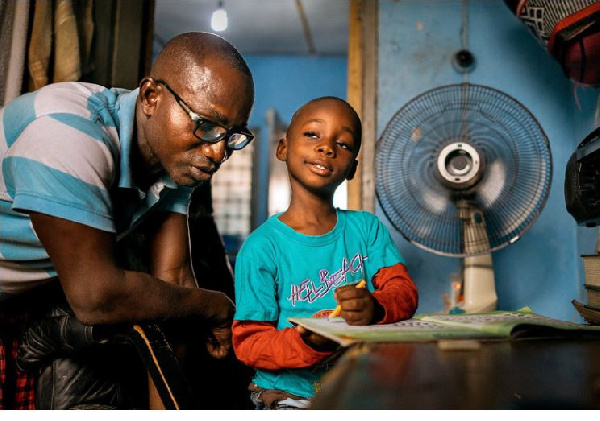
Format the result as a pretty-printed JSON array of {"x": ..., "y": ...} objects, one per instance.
[
  {"x": 169, "y": 251},
  {"x": 101, "y": 293},
  {"x": 170, "y": 261}
]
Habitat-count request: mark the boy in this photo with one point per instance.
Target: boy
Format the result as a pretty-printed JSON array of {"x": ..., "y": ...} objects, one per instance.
[{"x": 294, "y": 263}]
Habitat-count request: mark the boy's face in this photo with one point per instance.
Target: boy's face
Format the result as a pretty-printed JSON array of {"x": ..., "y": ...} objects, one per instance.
[{"x": 320, "y": 147}]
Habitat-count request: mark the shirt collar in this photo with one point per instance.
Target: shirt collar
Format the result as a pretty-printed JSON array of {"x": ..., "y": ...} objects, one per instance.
[{"x": 126, "y": 111}]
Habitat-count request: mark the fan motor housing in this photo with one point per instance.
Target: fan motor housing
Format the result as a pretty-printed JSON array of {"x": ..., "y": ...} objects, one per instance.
[{"x": 459, "y": 166}]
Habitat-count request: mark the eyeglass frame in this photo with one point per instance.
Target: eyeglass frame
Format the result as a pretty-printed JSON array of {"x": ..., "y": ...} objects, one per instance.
[{"x": 198, "y": 120}]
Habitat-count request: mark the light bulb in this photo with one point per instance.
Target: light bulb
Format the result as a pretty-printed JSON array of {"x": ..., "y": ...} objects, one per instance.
[{"x": 218, "y": 21}]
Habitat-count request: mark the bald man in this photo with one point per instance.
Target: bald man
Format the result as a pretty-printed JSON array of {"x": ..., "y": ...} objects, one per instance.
[{"x": 84, "y": 166}]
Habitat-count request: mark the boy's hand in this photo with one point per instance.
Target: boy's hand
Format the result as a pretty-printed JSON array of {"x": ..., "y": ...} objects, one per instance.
[
  {"x": 316, "y": 341},
  {"x": 358, "y": 305}
]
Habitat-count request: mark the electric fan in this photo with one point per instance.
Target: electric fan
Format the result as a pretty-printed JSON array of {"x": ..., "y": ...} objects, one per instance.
[{"x": 463, "y": 170}]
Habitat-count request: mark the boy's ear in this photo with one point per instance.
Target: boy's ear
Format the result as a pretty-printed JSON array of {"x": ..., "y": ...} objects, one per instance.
[
  {"x": 352, "y": 170},
  {"x": 281, "y": 152}
]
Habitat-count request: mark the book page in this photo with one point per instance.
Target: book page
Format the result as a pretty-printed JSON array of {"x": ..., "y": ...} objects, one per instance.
[
  {"x": 410, "y": 330},
  {"x": 430, "y": 327},
  {"x": 501, "y": 323}
]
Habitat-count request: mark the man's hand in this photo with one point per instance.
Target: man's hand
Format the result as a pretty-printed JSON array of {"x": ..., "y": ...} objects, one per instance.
[
  {"x": 316, "y": 341},
  {"x": 358, "y": 305},
  {"x": 219, "y": 340}
]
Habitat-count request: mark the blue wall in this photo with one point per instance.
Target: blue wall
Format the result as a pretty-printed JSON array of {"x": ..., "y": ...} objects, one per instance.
[
  {"x": 417, "y": 40},
  {"x": 285, "y": 83}
]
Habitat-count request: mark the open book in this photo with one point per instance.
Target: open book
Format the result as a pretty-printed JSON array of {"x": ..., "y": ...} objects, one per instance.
[{"x": 431, "y": 327}]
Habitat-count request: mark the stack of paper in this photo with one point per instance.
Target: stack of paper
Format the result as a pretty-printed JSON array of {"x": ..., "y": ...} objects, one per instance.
[
  {"x": 591, "y": 266},
  {"x": 591, "y": 311}
]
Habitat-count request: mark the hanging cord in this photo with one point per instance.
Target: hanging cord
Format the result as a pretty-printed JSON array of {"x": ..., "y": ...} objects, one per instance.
[
  {"x": 464, "y": 32},
  {"x": 597, "y": 113},
  {"x": 464, "y": 45}
]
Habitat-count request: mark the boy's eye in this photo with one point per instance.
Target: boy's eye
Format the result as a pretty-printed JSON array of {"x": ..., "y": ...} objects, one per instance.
[
  {"x": 311, "y": 134},
  {"x": 344, "y": 145}
]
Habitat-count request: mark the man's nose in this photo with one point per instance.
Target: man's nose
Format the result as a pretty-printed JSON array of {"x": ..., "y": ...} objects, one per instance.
[{"x": 216, "y": 152}]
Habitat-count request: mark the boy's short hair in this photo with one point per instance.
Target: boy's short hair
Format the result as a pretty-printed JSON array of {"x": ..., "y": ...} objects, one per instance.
[{"x": 358, "y": 123}]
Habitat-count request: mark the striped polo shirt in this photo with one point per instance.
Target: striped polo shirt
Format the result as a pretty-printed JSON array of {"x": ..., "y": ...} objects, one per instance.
[{"x": 65, "y": 152}]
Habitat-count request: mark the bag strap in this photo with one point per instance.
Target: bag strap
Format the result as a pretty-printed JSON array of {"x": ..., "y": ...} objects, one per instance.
[{"x": 163, "y": 366}]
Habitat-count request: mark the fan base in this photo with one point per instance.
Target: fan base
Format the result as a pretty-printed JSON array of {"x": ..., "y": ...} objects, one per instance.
[{"x": 479, "y": 284}]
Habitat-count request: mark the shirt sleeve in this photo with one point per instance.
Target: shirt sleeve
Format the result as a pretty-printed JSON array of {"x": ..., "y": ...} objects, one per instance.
[
  {"x": 256, "y": 281},
  {"x": 63, "y": 167},
  {"x": 396, "y": 292},
  {"x": 262, "y": 346},
  {"x": 177, "y": 201}
]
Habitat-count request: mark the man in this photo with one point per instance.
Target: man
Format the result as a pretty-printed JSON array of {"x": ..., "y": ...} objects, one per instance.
[{"x": 83, "y": 166}]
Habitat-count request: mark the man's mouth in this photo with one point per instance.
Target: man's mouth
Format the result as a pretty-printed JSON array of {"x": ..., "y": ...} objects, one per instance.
[{"x": 202, "y": 174}]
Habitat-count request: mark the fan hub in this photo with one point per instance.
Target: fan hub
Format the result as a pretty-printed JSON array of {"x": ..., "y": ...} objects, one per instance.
[{"x": 459, "y": 166}]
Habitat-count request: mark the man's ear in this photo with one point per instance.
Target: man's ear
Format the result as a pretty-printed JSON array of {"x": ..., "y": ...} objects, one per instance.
[
  {"x": 148, "y": 95},
  {"x": 352, "y": 170},
  {"x": 281, "y": 152}
]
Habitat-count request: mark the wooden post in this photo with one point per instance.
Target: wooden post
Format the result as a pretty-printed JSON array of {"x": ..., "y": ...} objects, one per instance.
[{"x": 362, "y": 95}]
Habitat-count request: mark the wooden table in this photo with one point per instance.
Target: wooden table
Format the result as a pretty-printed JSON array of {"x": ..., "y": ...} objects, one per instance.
[{"x": 525, "y": 374}]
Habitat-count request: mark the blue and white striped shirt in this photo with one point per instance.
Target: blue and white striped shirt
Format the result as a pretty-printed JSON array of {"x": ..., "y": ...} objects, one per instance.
[{"x": 64, "y": 152}]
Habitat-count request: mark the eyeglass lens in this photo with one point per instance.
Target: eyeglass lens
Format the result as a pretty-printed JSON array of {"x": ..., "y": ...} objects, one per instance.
[{"x": 211, "y": 132}]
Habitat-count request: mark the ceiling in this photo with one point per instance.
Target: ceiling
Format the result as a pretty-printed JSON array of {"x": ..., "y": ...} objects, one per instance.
[{"x": 271, "y": 27}]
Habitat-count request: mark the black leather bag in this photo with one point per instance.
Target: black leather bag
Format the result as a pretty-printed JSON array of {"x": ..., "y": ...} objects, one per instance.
[
  {"x": 582, "y": 181},
  {"x": 75, "y": 369}
]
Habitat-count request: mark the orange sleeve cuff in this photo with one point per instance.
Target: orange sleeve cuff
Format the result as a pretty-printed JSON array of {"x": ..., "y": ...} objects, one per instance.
[
  {"x": 260, "y": 345},
  {"x": 396, "y": 292}
]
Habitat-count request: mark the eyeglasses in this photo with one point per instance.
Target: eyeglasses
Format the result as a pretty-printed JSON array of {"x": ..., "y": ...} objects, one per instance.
[{"x": 210, "y": 132}]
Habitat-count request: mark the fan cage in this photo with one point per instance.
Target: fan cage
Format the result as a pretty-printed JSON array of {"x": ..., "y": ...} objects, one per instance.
[{"x": 513, "y": 188}]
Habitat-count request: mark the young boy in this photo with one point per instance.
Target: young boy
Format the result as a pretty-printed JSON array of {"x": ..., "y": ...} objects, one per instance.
[{"x": 306, "y": 260}]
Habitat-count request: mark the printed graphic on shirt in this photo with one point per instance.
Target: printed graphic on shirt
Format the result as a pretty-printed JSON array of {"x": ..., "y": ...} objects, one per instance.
[{"x": 309, "y": 290}]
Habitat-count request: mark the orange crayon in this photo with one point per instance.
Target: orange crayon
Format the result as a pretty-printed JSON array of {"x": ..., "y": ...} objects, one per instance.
[{"x": 338, "y": 309}]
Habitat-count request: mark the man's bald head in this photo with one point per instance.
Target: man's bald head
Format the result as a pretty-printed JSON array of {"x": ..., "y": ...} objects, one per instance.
[
  {"x": 198, "y": 79},
  {"x": 188, "y": 52}
]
